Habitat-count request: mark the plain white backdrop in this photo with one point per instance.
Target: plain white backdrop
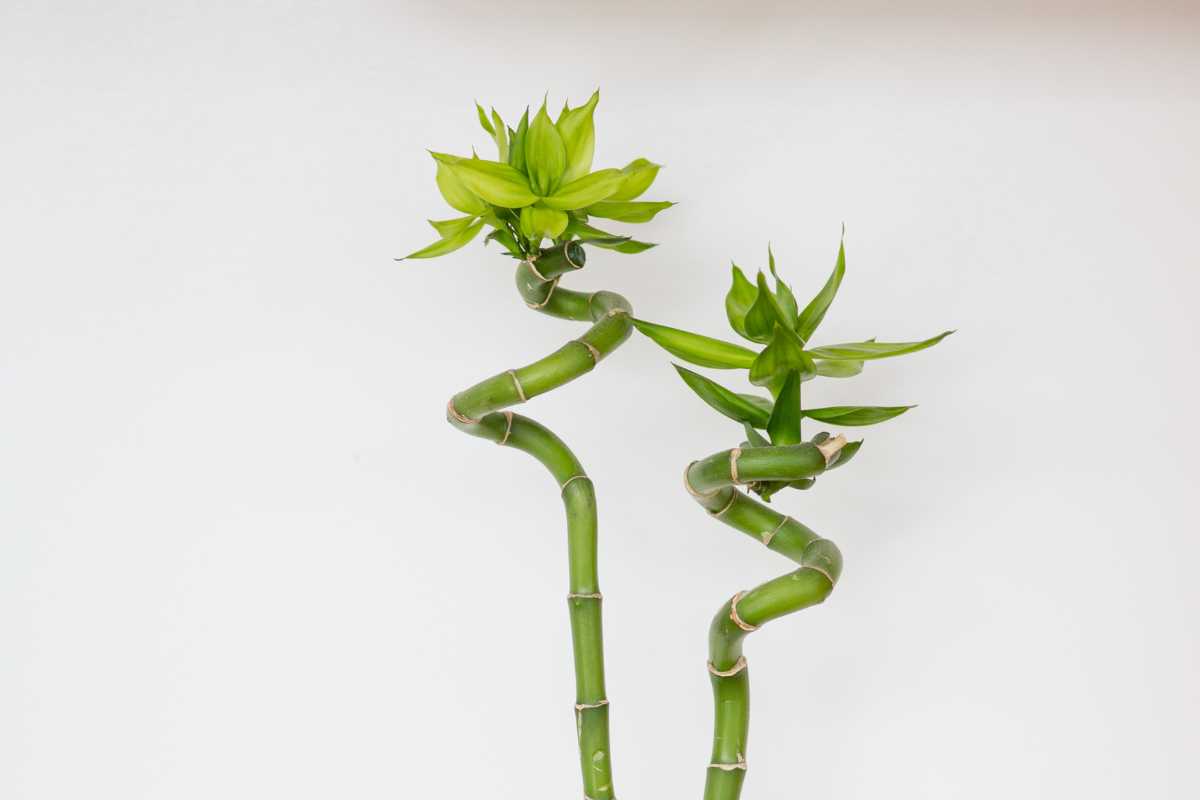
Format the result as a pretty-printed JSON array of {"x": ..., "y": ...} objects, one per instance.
[{"x": 242, "y": 555}]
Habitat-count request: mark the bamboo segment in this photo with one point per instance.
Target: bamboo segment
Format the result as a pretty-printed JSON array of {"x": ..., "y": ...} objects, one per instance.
[
  {"x": 479, "y": 411},
  {"x": 712, "y": 483}
]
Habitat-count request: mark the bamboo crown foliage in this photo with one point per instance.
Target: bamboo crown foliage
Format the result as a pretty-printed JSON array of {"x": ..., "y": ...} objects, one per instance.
[
  {"x": 772, "y": 317},
  {"x": 540, "y": 187}
]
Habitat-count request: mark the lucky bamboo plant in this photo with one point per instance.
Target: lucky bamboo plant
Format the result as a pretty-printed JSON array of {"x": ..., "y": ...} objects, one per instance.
[
  {"x": 538, "y": 198},
  {"x": 766, "y": 465}
]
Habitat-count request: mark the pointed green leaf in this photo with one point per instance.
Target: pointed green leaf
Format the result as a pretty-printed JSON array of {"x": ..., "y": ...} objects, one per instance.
[
  {"x": 764, "y": 314},
  {"x": 861, "y": 351},
  {"x": 538, "y": 221},
  {"x": 848, "y": 451},
  {"x": 609, "y": 241},
  {"x": 692, "y": 347},
  {"x": 448, "y": 227},
  {"x": 501, "y": 136},
  {"x": 632, "y": 247},
  {"x": 545, "y": 154},
  {"x": 783, "y": 294},
  {"x": 448, "y": 245},
  {"x": 498, "y": 184},
  {"x": 483, "y": 120},
  {"x": 637, "y": 176},
  {"x": 762, "y": 402},
  {"x": 839, "y": 369},
  {"x": 753, "y": 437},
  {"x": 585, "y": 191},
  {"x": 636, "y": 211},
  {"x": 516, "y": 144},
  {"x": 855, "y": 415},
  {"x": 578, "y": 132},
  {"x": 784, "y": 425},
  {"x": 506, "y": 239},
  {"x": 723, "y": 400},
  {"x": 814, "y": 312},
  {"x": 456, "y": 192},
  {"x": 738, "y": 302},
  {"x": 784, "y": 354}
]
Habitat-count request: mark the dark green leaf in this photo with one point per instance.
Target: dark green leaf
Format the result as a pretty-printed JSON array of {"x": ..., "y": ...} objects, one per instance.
[
  {"x": 753, "y": 437},
  {"x": 784, "y": 354},
  {"x": 855, "y": 415},
  {"x": 723, "y": 400},
  {"x": 860, "y": 351},
  {"x": 609, "y": 241},
  {"x": 784, "y": 425},
  {"x": 701, "y": 350},
  {"x": 848, "y": 451},
  {"x": 739, "y": 300},
  {"x": 814, "y": 312}
]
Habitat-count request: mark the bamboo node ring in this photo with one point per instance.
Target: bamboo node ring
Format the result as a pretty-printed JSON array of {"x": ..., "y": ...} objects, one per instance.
[
  {"x": 737, "y": 620},
  {"x": 592, "y": 350},
  {"x": 508, "y": 415},
  {"x": 463, "y": 418},
  {"x": 687, "y": 484},
  {"x": 567, "y": 482},
  {"x": 767, "y": 536},
  {"x": 533, "y": 268},
  {"x": 738, "y": 666},
  {"x": 734, "y": 455},
  {"x": 579, "y": 596},
  {"x": 546, "y": 299},
  {"x": 741, "y": 764},
  {"x": 732, "y": 497},
  {"x": 587, "y": 706},
  {"x": 830, "y": 448},
  {"x": 517, "y": 383}
]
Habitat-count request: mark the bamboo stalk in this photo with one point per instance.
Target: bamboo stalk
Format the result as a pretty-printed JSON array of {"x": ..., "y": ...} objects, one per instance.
[
  {"x": 713, "y": 483},
  {"x": 478, "y": 411}
]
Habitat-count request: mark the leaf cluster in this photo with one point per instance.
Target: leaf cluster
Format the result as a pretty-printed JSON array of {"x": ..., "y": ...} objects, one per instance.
[
  {"x": 541, "y": 186},
  {"x": 766, "y": 313}
]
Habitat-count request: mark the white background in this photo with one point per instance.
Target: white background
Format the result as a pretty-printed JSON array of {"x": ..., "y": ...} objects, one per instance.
[{"x": 242, "y": 555}]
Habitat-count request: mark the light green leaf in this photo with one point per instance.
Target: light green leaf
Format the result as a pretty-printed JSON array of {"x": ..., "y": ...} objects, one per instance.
[
  {"x": 862, "y": 351},
  {"x": 637, "y": 177},
  {"x": 739, "y": 301},
  {"x": 814, "y": 312},
  {"x": 501, "y": 136},
  {"x": 448, "y": 227},
  {"x": 545, "y": 154},
  {"x": 764, "y": 314},
  {"x": 516, "y": 144},
  {"x": 723, "y": 400},
  {"x": 483, "y": 120},
  {"x": 448, "y": 245},
  {"x": 456, "y": 192},
  {"x": 506, "y": 239},
  {"x": 784, "y": 425},
  {"x": 787, "y": 300},
  {"x": 637, "y": 211},
  {"x": 764, "y": 403},
  {"x": 839, "y": 369},
  {"x": 784, "y": 354},
  {"x": 585, "y": 191},
  {"x": 578, "y": 132},
  {"x": 855, "y": 415},
  {"x": 538, "y": 221},
  {"x": 498, "y": 184},
  {"x": 697, "y": 349}
]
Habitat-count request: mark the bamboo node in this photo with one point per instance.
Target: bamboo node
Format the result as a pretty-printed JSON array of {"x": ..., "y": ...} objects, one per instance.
[
  {"x": 738, "y": 666},
  {"x": 533, "y": 268},
  {"x": 591, "y": 348},
  {"x": 732, "y": 497},
  {"x": 567, "y": 482},
  {"x": 463, "y": 418},
  {"x": 737, "y": 620},
  {"x": 821, "y": 570},
  {"x": 546, "y": 299},
  {"x": 508, "y": 415},
  {"x": 767, "y": 536},
  {"x": 587, "y": 706},
  {"x": 741, "y": 764},
  {"x": 517, "y": 383},
  {"x": 612, "y": 312},
  {"x": 830, "y": 448},
  {"x": 734, "y": 455},
  {"x": 687, "y": 484},
  {"x": 581, "y": 596}
]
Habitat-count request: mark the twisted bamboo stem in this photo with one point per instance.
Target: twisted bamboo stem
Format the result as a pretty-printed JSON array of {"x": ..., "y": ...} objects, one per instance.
[
  {"x": 713, "y": 483},
  {"x": 479, "y": 412}
]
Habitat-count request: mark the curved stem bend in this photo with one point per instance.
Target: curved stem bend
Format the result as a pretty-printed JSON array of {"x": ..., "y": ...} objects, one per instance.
[
  {"x": 480, "y": 412},
  {"x": 713, "y": 483}
]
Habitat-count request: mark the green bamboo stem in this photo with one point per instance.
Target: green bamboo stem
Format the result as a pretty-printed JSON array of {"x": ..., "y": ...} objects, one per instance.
[
  {"x": 712, "y": 482},
  {"x": 480, "y": 412}
]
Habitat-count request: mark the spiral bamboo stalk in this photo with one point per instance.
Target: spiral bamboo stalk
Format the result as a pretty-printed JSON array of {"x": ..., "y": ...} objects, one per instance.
[
  {"x": 480, "y": 411},
  {"x": 713, "y": 482}
]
